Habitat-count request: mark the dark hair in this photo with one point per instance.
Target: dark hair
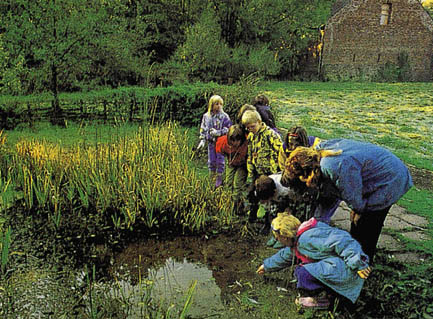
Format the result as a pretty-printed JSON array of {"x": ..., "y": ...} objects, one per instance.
[
  {"x": 245, "y": 107},
  {"x": 236, "y": 133},
  {"x": 261, "y": 99},
  {"x": 265, "y": 187},
  {"x": 300, "y": 135}
]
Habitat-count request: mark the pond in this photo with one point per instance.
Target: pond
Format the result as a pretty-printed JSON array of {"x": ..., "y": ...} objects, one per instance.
[
  {"x": 169, "y": 285},
  {"x": 149, "y": 272},
  {"x": 218, "y": 265}
]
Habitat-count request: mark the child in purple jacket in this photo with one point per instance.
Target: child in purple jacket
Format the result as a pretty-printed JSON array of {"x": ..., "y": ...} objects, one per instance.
[{"x": 215, "y": 123}]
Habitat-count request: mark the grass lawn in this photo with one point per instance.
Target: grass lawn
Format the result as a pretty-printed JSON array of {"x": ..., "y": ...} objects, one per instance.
[{"x": 398, "y": 116}]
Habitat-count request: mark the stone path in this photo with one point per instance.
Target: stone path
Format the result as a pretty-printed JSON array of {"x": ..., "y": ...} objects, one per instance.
[{"x": 409, "y": 225}]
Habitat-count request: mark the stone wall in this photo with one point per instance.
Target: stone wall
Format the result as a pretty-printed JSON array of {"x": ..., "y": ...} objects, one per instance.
[{"x": 357, "y": 46}]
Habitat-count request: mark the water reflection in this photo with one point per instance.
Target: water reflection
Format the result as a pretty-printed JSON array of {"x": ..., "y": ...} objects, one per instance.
[
  {"x": 172, "y": 281},
  {"x": 169, "y": 286}
]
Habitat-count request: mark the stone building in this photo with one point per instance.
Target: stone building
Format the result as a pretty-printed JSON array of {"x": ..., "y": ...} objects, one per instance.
[{"x": 370, "y": 39}]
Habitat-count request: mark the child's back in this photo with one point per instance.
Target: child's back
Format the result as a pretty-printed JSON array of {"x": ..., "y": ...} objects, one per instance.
[{"x": 261, "y": 103}]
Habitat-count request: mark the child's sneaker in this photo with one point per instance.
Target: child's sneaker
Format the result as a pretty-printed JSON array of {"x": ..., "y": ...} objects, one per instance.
[{"x": 313, "y": 302}]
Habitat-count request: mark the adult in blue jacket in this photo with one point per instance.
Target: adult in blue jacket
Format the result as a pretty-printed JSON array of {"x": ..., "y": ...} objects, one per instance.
[
  {"x": 329, "y": 259},
  {"x": 369, "y": 178}
]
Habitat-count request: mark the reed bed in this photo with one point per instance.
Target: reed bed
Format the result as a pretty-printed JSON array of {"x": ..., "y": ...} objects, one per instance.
[{"x": 145, "y": 179}]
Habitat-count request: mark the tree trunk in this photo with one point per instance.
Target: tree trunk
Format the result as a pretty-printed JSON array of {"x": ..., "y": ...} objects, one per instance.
[{"x": 57, "y": 117}]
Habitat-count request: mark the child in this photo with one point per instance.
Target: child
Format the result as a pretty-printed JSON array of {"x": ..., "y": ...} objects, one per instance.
[
  {"x": 262, "y": 159},
  {"x": 328, "y": 258},
  {"x": 234, "y": 147},
  {"x": 296, "y": 136},
  {"x": 242, "y": 110},
  {"x": 261, "y": 103},
  {"x": 306, "y": 199},
  {"x": 215, "y": 123},
  {"x": 274, "y": 198},
  {"x": 369, "y": 178}
]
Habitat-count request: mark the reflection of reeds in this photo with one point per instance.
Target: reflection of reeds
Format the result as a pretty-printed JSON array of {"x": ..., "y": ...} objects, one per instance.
[{"x": 146, "y": 178}]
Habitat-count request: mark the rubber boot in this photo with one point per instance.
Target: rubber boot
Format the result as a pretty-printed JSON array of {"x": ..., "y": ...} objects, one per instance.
[
  {"x": 252, "y": 213},
  {"x": 239, "y": 207},
  {"x": 218, "y": 180}
]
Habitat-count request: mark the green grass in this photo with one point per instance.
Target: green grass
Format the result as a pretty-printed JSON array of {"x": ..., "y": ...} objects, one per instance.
[
  {"x": 420, "y": 202},
  {"x": 398, "y": 116},
  {"x": 72, "y": 134}
]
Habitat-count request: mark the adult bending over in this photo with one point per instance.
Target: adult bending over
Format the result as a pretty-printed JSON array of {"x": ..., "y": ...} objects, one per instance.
[{"x": 369, "y": 178}]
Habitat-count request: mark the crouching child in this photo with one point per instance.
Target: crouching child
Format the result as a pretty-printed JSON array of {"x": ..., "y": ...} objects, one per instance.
[{"x": 328, "y": 260}]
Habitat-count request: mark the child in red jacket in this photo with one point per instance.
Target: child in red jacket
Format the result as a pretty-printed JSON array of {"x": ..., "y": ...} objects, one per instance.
[{"x": 234, "y": 147}]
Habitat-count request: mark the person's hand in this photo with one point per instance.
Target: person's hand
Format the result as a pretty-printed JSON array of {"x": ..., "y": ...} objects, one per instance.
[
  {"x": 201, "y": 144},
  {"x": 364, "y": 273},
  {"x": 213, "y": 132},
  {"x": 354, "y": 217},
  {"x": 261, "y": 270}
]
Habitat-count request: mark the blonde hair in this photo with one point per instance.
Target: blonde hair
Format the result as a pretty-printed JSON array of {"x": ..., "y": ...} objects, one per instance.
[
  {"x": 213, "y": 99},
  {"x": 304, "y": 163},
  {"x": 251, "y": 117},
  {"x": 286, "y": 225}
]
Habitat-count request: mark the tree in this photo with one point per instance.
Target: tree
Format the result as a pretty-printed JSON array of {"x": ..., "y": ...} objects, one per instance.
[
  {"x": 54, "y": 36},
  {"x": 69, "y": 45},
  {"x": 11, "y": 70},
  {"x": 204, "y": 52}
]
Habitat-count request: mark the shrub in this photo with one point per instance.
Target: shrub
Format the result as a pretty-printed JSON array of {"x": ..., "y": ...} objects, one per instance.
[
  {"x": 204, "y": 53},
  {"x": 184, "y": 104}
]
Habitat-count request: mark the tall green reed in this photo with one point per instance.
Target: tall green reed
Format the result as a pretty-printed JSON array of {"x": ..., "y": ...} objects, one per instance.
[{"x": 144, "y": 178}]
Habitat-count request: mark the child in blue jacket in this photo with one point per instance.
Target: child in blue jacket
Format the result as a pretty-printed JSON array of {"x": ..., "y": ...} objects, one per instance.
[
  {"x": 215, "y": 123},
  {"x": 369, "y": 178},
  {"x": 327, "y": 258}
]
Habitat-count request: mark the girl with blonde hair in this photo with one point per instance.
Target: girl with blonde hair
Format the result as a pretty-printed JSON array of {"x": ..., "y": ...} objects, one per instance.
[
  {"x": 215, "y": 123},
  {"x": 328, "y": 259}
]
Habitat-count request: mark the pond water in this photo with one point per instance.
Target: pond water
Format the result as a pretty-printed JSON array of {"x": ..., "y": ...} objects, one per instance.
[
  {"x": 172, "y": 281},
  {"x": 218, "y": 266},
  {"x": 144, "y": 275},
  {"x": 169, "y": 284}
]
